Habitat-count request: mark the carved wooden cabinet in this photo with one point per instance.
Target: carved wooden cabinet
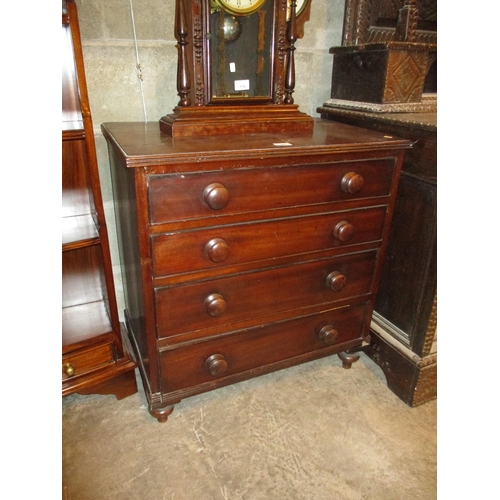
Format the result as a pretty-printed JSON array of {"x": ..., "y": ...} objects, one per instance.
[
  {"x": 246, "y": 254},
  {"x": 94, "y": 357},
  {"x": 404, "y": 338}
]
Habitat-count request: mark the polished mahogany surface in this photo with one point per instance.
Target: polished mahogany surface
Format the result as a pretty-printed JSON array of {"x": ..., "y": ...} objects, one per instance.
[
  {"x": 147, "y": 144},
  {"x": 246, "y": 254}
]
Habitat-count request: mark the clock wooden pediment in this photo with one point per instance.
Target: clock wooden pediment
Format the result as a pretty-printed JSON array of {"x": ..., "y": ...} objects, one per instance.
[{"x": 236, "y": 70}]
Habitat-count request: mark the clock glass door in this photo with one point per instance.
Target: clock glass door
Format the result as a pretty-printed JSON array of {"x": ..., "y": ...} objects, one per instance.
[{"x": 241, "y": 49}]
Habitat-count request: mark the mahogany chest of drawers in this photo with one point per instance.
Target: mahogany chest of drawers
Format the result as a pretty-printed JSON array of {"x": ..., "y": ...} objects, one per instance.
[{"x": 242, "y": 255}]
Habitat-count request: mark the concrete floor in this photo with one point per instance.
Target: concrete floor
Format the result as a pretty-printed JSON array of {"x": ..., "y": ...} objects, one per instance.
[{"x": 311, "y": 432}]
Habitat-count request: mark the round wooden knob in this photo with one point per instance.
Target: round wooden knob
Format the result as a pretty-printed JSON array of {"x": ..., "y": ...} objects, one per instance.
[
  {"x": 216, "y": 365},
  {"x": 69, "y": 369},
  {"x": 352, "y": 183},
  {"x": 336, "y": 281},
  {"x": 217, "y": 250},
  {"x": 343, "y": 231},
  {"x": 215, "y": 305},
  {"x": 216, "y": 196},
  {"x": 328, "y": 334}
]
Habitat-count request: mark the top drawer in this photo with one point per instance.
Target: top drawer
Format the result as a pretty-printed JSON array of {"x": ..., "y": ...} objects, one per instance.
[{"x": 211, "y": 194}]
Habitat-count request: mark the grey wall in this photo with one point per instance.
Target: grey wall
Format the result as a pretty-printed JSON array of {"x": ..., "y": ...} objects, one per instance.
[{"x": 114, "y": 88}]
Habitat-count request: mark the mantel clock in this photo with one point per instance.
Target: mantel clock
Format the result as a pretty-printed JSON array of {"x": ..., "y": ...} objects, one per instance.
[{"x": 236, "y": 67}]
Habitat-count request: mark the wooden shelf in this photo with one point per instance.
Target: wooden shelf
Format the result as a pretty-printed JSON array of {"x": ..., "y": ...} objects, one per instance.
[
  {"x": 83, "y": 322},
  {"x": 94, "y": 358},
  {"x": 72, "y": 130},
  {"x": 79, "y": 231}
]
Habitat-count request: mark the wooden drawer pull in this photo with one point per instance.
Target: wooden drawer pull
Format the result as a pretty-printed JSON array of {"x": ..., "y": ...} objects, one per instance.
[
  {"x": 216, "y": 365},
  {"x": 215, "y": 305},
  {"x": 217, "y": 250},
  {"x": 352, "y": 183},
  {"x": 328, "y": 334},
  {"x": 216, "y": 196},
  {"x": 336, "y": 281},
  {"x": 69, "y": 369},
  {"x": 343, "y": 231}
]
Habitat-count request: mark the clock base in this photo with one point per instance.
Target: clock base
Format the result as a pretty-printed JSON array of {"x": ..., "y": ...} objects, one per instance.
[{"x": 219, "y": 120}]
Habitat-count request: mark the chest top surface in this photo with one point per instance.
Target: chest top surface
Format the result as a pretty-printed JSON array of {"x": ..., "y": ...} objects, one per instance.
[{"x": 142, "y": 144}]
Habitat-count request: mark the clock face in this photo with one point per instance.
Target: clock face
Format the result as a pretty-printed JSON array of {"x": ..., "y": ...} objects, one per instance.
[{"x": 241, "y": 7}]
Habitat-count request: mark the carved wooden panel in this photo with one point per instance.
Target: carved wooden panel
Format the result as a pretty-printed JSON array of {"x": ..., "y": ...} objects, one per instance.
[
  {"x": 373, "y": 21},
  {"x": 406, "y": 70}
]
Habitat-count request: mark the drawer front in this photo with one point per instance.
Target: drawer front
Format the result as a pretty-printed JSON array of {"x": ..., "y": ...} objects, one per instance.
[
  {"x": 219, "y": 303},
  {"x": 188, "y": 366},
  {"x": 211, "y": 194},
  {"x": 86, "y": 360},
  {"x": 209, "y": 248}
]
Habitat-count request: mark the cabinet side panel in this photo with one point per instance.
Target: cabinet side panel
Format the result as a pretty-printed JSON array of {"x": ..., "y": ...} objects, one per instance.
[
  {"x": 128, "y": 243},
  {"x": 408, "y": 283}
]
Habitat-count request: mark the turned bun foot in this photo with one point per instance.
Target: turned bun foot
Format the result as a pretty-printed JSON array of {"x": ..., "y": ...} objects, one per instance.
[
  {"x": 347, "y": 359},
  {"x": 161, "y": 414}
]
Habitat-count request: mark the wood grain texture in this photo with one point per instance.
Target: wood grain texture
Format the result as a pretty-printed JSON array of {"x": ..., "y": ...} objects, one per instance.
[{"x": 238, "y": 250}]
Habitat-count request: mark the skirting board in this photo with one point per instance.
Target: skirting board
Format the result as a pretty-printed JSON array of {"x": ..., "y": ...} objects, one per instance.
[{"x": 412, "y": 378}]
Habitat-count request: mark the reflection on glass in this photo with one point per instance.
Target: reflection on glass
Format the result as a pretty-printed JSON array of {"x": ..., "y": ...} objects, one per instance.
[{"x": 241, "y": 53}]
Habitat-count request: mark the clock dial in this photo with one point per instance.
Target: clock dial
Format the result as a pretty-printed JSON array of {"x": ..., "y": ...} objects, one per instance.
[{"x": 240, "y": 7}]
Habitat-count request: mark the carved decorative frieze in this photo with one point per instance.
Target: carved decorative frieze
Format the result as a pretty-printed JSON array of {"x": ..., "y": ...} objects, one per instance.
[{"x": 375, "y": 21}]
